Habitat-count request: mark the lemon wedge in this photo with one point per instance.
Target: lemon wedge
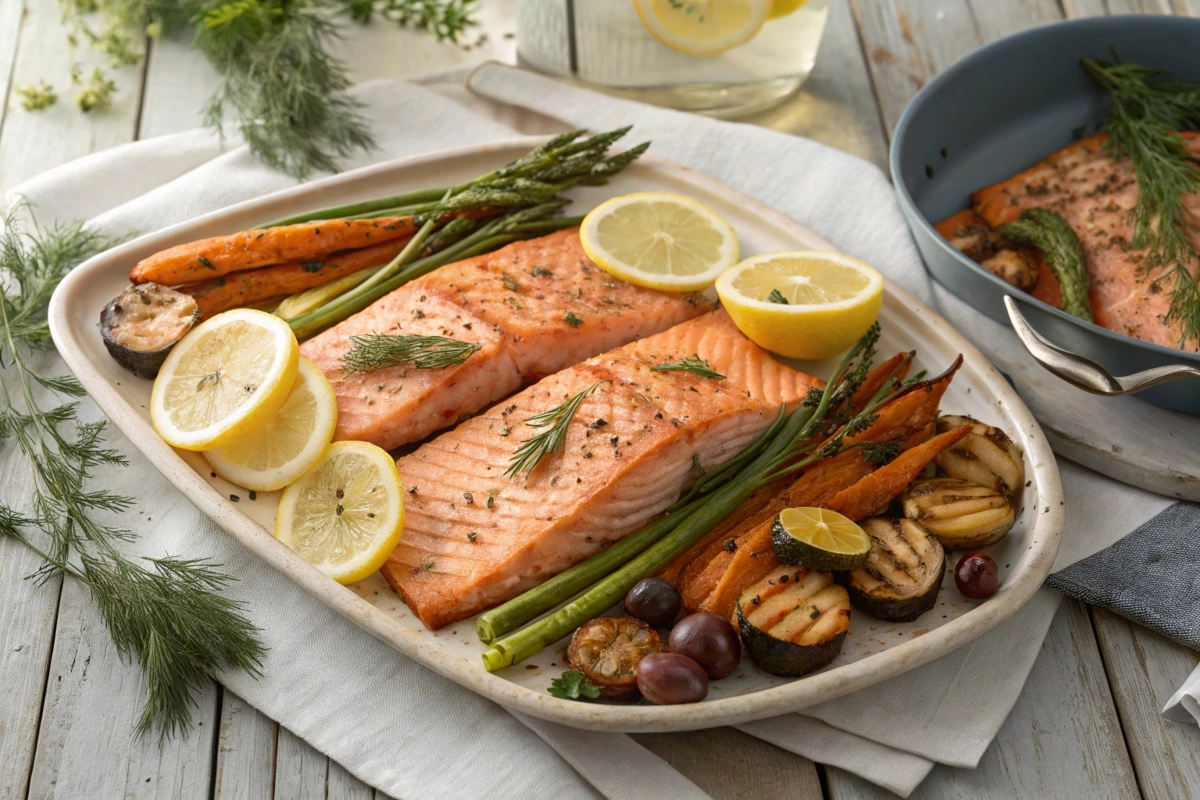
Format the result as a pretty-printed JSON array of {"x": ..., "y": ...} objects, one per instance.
[
  {"x": 344, "y": 515},
  {"x": 224, "y": 380},
  {"x": 703, "y": 27},
  {"x": 781, "y": 8},
  {"x": 659, "y": 240},
  {"x": 289, "y": 444},
  {"x": 819, "y": 539},
  {"x": 807, "y": 304}
]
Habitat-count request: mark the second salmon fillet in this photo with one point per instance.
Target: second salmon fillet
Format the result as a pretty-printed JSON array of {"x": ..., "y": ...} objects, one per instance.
[
  {"x": 474, "y": 538},
  {"x": 535, "y": 307}
]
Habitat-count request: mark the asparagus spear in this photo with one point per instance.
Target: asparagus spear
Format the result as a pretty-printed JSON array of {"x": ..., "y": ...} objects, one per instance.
[{"x": 777, "y": 458}]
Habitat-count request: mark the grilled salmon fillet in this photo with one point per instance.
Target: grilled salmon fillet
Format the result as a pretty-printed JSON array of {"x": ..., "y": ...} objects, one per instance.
[
  {"x": 474, "y": 538},
  {"x": 1095, "y": 194},
  {"x": 534, "y": 307}
]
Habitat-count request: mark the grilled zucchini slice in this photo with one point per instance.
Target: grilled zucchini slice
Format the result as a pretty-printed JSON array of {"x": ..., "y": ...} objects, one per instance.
[
  {"x": 903, "y": 573},
  {"x": 793, "y": 621},
  {"x": 963, "y": 516},
  {"x": 141, "y": 325}
]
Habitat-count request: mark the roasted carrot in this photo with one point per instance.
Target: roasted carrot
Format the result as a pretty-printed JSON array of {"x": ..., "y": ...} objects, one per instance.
[
  {"x": 875, "y": 490},
  {"x": 252, "y": 286},
  {"x": 221, "y": 255},
  {"x": 895, "y": 367}
]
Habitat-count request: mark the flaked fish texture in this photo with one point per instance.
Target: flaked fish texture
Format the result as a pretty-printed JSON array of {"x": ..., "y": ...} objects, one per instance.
[
  {"x": 475, "y": 538},
  {"x": 535, "y": 307}
]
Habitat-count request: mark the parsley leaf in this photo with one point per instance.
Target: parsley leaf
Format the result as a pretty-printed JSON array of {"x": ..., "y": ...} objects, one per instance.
[{"x": 574, "y": 685}]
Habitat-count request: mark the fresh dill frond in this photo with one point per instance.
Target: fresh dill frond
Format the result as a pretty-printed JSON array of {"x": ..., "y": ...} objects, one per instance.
[
  {"x": 695, "y": 364},
  {"x": 1146, "y": 114},
  {"x": 776, "y": 296},
  {"x": 1051, "y": 234},
  {"x": 445, "y": 19},
  {"x": 37, "y": 98},
  {"x": 166, "y": 614},
  {"x": 555, "y": 421},
  {"x": 381, "y": 350}
]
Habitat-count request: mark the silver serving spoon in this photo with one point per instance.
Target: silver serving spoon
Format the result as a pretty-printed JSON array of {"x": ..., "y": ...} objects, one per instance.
[{"x": 1083, "y": 372}]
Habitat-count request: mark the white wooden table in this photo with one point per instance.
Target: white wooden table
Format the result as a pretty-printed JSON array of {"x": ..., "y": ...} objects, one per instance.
[{"x": 1087, "y": 724}]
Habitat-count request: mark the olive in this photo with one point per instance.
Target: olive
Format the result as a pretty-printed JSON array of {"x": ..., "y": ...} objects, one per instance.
[
  {"x": 654, "y": 601},
  {"x": 669, "y": 678},
  {"x": 977, "y": 575},
  {"x": 710, "y": 641}
]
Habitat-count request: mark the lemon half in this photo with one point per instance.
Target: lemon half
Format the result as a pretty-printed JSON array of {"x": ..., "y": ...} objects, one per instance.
[
  {"x": 659, "y": 240},
  {"x": 831, "y": 301},
  {"x": 224, "y": 380},
  {"x": 291, "y": 442},
  {"x": 344, "y": 515},
  {"x": 703, "y": 27}
]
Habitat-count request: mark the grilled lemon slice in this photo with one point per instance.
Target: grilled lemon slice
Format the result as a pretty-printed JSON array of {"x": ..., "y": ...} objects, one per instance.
[
  {"x": 344, "y": 515},
  {"x": 224, "y": 380}
]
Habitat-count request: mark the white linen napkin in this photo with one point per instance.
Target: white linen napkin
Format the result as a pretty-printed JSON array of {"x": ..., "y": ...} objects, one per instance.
[{"x": 1184, "y": 705}]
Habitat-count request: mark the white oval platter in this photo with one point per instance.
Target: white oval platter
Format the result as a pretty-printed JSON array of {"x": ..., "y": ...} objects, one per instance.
[{"x": 874, "y": 650}]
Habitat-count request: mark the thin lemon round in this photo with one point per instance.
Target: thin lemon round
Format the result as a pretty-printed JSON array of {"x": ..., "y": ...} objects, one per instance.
[
  {"x": 224, "y": 380},
  {"x": 345, "y": 515},
  {"x": 819, "y": 539},
  {"x": 703, "y": 27},
  {"x": 290, "y": 443},
  {"x": 781, "y": 8},
  {"x": 659, "y": 240},
  {"x": 831, "y": 301}
]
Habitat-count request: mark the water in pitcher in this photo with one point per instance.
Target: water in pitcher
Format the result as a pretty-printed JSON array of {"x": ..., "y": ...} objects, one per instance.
[{"x": 719, "y": 57}]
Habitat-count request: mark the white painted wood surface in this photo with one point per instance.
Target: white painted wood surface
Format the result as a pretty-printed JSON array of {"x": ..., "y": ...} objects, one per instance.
[{"x": 69, "y": 703}]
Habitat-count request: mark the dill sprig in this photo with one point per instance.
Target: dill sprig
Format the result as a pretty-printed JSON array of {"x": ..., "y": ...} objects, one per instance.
[
  {"x": 1050, "y": 233},
  {"x": 776, "y": 296},
  {"x": 555, "y": 421},
  {"x": 165, "y": 614},
  {"x": 380, "y": 350},
  {"x": 695, "y": 364},
  {"x": 1144, "y": 119}
]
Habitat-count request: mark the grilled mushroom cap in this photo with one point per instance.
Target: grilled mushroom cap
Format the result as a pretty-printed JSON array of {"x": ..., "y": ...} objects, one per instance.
[
  {"x": 963, "y": 516},
  {"x": 141, "y": 325},
  {"x": 903, "y": 573},
  {"x": 607, "y": 650},
  {"x": 986, "y": 456}
]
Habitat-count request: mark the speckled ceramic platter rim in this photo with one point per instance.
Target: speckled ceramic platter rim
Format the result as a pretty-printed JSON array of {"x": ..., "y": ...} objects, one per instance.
[{"x": 72, "y": 320}]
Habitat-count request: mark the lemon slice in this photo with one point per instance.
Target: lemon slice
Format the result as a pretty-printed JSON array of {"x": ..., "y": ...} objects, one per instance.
[
  {"x": 662, "y": 241},
  {"x": 831, "y": 301},
  {"x": 703, "y": 27},
  {"x": 819, "y": 539},
  {"x": 344, "y": 515},
  {"x": 224, "y": 380},
  {"x": 781, "y": 8},
  {"x": 289, "y": 444}
]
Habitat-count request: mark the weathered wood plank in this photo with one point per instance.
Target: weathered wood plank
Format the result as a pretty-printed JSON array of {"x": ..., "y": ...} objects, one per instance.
[
  {"x": 341, "y": 785},
  {"x": 1100, "y": 8},
  {"x": 179, "y": 81},
  {"x": 727, "y": 763},
  {"x": 300, "y": 771},
  {"x": 836, "y": 106},
  {"x": 245, "y": 766},
  {"x": 12, "y": 13},
  {"x": 86, "y": 745},
  {"x": 1144, "y": 670},
  {"x": 34, "y": 142},
  {"x": 1062, "y": 739}
]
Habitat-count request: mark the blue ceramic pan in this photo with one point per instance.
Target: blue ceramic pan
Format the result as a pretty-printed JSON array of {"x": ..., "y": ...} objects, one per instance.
[{"x": 998, "y": 111}]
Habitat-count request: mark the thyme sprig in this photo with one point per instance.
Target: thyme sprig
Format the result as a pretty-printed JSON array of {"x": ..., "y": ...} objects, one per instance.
[
  {"x": 695, "y": 364},
  {"x": 555, "y": 421},
  {"x": 166, "y": 614},
  {"x": 1147, "y": 112},
  {"x": 380, "y": 350}
]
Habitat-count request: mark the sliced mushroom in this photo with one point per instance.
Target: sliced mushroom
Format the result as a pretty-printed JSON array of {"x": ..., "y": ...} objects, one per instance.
[
  {"x": 963, "y": 516},
  {"x": 986, "y": 456}
]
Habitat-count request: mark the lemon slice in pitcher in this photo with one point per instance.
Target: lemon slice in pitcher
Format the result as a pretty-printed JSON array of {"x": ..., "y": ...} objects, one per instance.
[
  {"x": 289, "y": 444},
  {"x": 703, "y": 27},
  {"x": 224, "y": 380},
  {"x": 345, "y": 515},
  {"x": 659, "y": 240}
]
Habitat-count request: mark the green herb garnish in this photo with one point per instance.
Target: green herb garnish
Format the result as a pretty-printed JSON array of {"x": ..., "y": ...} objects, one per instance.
[
  {"x": 572, "y": 320},
  {"x": 380, "y": 350},
  {"x": 36, "y": 98},
  {"x": 530, "y": 452},
  {"x": 574, "y": 685},
  {"x": 776, "y": 296},
  {"x": 695, "y": 364},
  {"x": 1051, "y": 234}
]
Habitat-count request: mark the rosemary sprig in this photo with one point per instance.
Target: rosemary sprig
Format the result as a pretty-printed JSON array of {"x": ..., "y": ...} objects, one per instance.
[
  {"x": 555, "y": 421},
  {"x": 1144, "y": 119},
  {"x": 776, "y": 296},
  {"x": 1050, "y": 233},
  {"x": 166, "y": 614},
  {"x": 695, "y": 364},
  {"x": 380, "y": 350}
]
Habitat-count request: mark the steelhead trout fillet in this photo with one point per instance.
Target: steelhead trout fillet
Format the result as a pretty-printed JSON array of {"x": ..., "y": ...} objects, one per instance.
[
  {"x": 535, "y": 307},
  {"x": 474, "y": 538}
]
